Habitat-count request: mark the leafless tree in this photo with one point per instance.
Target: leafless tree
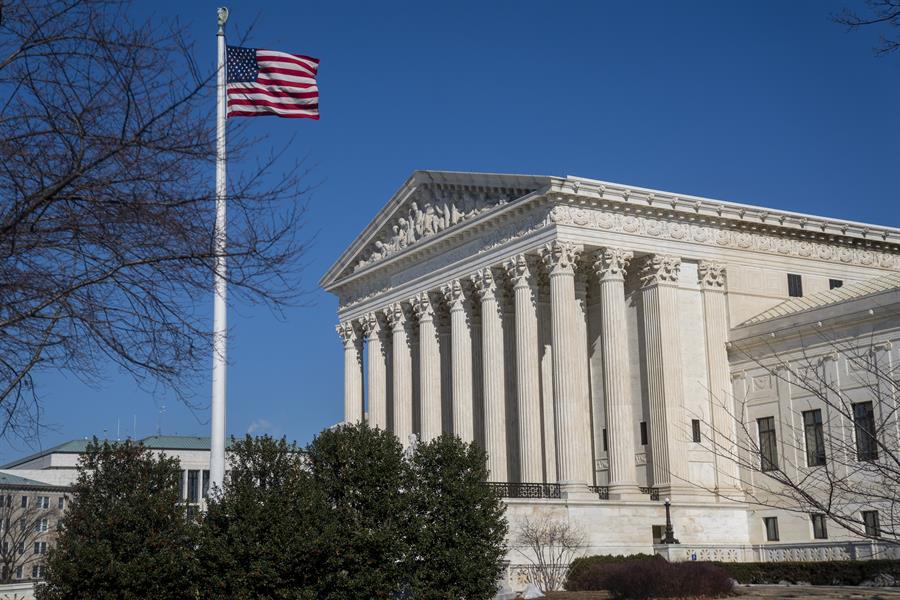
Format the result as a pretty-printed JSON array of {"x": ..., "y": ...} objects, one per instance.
[
  {"x": 836, "y": 451},
  {"x": 29, "y": 521},
  {"x": 881, "y": 12},
  {"x": 550, "y": 545},
  {"x": 107, "y": 206}
]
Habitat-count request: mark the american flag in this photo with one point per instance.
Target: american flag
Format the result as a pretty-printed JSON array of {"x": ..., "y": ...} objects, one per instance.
[{"x": 267, "y": 82}]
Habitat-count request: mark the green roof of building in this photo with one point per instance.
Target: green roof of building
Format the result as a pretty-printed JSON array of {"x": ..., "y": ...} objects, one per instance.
[
  {"x": 7, "y": 480},
  {"x": 154, "y": 442}
]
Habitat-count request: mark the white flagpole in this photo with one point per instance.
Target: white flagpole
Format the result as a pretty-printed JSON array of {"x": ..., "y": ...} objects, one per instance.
[{"x": 217, "y": 442}]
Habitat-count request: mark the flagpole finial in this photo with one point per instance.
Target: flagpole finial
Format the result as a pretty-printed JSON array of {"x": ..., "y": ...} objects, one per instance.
[{"x": 222, "y": 14}]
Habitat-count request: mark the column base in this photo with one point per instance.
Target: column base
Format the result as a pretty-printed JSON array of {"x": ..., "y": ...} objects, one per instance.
[
  {"x": 686, "y": 493},
  {"x": 626, "y": 491},
  {"x": 571, "y": 490}
]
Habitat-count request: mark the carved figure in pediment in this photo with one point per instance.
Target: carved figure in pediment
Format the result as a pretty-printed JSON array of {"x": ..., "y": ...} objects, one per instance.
[{"x": 430, "y": 222}]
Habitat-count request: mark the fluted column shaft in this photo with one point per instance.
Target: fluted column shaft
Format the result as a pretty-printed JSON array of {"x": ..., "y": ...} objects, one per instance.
[
  {"x": 659, "y": 295},
  {"x": 715, "y": 318},
  {"x": 429, "y": 367},
  {"x": 353, "y": 384},
  {"x": 572, "y": 412},
  {"x": 528, "y": 382},
  {"x": 610, "y": 268},
  {"x": 377, "y": 371},
  {"x": 460, "y": 361},
  {"x": 494, "y": 374},
  {"x": 402, "y": 371}
]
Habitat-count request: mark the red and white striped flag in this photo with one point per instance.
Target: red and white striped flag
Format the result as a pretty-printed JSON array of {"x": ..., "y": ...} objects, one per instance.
[{"x": 267, "y": 82}]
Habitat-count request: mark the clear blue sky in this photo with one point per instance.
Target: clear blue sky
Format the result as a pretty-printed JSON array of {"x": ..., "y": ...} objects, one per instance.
[{"x": 761, "y": 102}]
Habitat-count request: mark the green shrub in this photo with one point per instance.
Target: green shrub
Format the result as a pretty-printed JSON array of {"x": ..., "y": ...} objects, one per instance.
[
  {"x": 584, "y": 571},
  {"x": 641, "y": 579},
  {"x": 844, "y": 572}
]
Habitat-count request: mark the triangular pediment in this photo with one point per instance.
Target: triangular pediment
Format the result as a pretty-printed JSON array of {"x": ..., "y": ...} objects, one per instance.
[{"x": 428, "y": 204}]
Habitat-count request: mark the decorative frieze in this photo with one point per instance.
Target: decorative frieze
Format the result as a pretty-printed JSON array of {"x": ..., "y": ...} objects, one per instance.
[{"x": 721, "y": 236}]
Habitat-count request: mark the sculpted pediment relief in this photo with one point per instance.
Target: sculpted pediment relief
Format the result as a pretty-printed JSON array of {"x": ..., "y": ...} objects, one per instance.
[{"x": 430, "y": 210}]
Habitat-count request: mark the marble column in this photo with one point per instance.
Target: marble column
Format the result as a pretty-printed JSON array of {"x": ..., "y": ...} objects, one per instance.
[
  {"x": 582, "y": 373},
  {"x": 396, "y": 317},
  {"x": 548, "y": 416},
  {"x": 610, "y": 266},
  {"x": 572, "y": 411},
  {"x": 662, "y": 343},
  {"x": 429, "y": 367},
  {"x": 353, "y": 379},
  {"x": 494, "y": 373},
  {"x": 521, "y": 272},
  {"x": 377, "y": 370},
  {"x": 715, "y": 319},
  {"x": 460, "y": 360}
]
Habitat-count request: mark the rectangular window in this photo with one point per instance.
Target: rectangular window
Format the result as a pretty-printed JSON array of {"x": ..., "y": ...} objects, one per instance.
[
  {"x": 9, "y": 500},
  {"x": 62, "y": 502},
  {"x": 768, "y": 448},
  {"x": 24, "y": 501},
  {"x": 181, "y": 486},
  {"x": 815, "y": 439},
  {"x": 695, "y": 430},
  {"x": 37, "y": 572},
  {"x": 42, "y": 525},
  {"x": 205, "y": 483},
  {"x": 795, "y": 285},
  {"x": 835, "y": 283},
  {"x": 643, "y": 433},
  {"x": 40, "y": 547},
  {"x": 21, "y": 548},
  {"x": 43, "y": 501},
  {"x": 864, "y": 424},
  {"x": 870, "y": 520},
  {"x": 771, "y": 528},
  {"x": 19, "y": 572},
  {"x": 193, "y": 485},
  {"x": 820, "y": 531},
  {"x": 605, "y": 442}
]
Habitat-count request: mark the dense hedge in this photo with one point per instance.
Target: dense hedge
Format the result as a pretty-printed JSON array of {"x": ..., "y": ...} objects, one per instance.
[
  {"x": 637, "y": 578},
  {"x": 591, "y": 572},
  {"x": 843, "y": 572},
  {"x": 583, "y": 571}
]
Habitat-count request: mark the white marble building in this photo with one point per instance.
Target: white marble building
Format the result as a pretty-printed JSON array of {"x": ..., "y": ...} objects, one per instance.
[{"x": 577, "y": 329}]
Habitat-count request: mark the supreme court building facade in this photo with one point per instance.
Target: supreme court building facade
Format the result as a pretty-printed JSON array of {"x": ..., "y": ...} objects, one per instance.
[{"x": 579, "y": 331}]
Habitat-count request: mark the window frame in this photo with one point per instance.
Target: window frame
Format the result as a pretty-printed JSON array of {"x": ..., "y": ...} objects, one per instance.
[
  {"x": 819, "y": 526},
  {"x": 795, "y": 285},
  {"x": 644, "y": 435},
  {"x": 696, "y": 434},
  {"x": 815, "y": 452},
  {"x": 866, "y": 439},
  {"x": 767, "y": 463},
  {"x": 772, "y": 534},
  {"x": 873, "y": 528}
]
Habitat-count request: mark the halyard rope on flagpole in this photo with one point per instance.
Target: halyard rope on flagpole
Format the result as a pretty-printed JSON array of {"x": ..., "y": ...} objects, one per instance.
[{"x": 220, "y": 323}]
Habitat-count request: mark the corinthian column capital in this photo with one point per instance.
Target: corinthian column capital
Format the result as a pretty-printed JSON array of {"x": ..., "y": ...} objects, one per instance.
[
  {"x": 395, "y": 315},
  {"x": 454, "y": 294},
  {"x": 422, "y": 307},
  {"x": 519, "y": 270},
  {"x": 660, "y": 269},
  {"x": 560, "y": 257},
  {"x": 611, "y": 263},
  {"x": 348, "y": 333},
  {"x": 370, "y": 325},
  {"x": 485, "y": 283},
  {"x": 711, "y": 275}
]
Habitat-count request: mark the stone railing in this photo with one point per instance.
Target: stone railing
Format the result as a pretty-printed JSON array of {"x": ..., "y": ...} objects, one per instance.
[{"x": 525, "y": 490}]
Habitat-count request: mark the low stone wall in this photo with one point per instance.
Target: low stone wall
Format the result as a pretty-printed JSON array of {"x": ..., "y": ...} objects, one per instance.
[{"x": 17, "y": 591}]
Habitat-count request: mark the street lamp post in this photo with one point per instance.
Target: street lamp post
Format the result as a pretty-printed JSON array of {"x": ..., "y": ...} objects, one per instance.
[{"x": 670, "y": 534}]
